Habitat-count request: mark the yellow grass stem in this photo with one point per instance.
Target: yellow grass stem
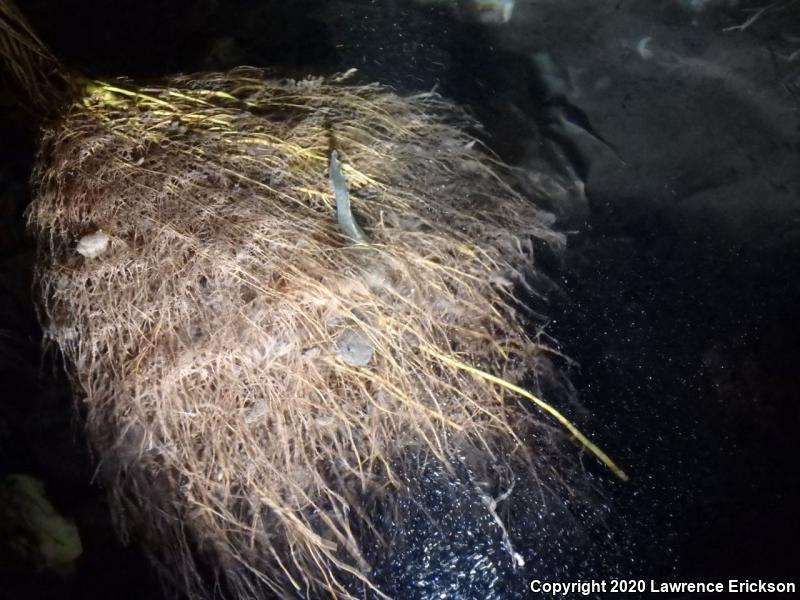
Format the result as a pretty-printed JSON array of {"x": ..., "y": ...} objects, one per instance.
[
  {"x": 587, "y": 443},
  {"x": 104, "y": 88}
]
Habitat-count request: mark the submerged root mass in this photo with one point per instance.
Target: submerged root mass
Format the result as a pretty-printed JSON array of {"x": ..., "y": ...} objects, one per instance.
[{"x": 254, "y": 383}]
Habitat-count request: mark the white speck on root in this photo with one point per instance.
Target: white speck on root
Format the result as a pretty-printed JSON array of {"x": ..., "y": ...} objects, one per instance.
[{"x": 93, "y": 244}]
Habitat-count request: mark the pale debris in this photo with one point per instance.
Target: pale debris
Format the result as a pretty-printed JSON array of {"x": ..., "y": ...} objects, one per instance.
[
  {"x": 355, "y": 348},
  {"x": 93, "y": 244}
]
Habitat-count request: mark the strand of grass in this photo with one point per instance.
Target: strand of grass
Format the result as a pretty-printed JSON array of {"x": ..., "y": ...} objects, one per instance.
[
  {"x": 14, "y": 25},
  {"x": 27, "y": 60},
  {"x": 752, "y": 19},
  {"x": 585, "y": 441},
  {"x": 96, "y": 86}
]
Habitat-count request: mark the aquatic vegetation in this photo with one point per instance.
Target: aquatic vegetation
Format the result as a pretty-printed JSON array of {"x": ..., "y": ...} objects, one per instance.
[{"x": 256, "y": 385}]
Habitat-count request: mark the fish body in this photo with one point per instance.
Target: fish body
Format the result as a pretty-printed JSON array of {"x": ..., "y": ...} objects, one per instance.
[{"x": 344, "y": 214}]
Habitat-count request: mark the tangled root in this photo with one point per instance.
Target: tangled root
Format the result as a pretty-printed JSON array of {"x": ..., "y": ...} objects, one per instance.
[{"x": 253, "y": 382}]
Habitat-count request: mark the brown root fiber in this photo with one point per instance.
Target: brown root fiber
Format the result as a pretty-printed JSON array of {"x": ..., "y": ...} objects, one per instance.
[
  {"x": 209, "y": 333},
  {"x": 28, "y": 66}
]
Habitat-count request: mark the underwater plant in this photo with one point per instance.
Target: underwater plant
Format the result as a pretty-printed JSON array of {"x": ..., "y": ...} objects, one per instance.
[{"x": 257, "y": 382}]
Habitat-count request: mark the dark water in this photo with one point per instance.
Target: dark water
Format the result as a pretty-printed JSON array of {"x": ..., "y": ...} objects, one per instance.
[{"x": 678, "y": 293}]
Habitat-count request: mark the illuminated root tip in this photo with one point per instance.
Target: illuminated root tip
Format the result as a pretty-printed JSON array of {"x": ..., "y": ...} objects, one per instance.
[{"x": 585, "y": 441}]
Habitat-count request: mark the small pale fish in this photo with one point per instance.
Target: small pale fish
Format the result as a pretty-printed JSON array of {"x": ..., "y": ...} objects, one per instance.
[{"x": 344, "y": 214}]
